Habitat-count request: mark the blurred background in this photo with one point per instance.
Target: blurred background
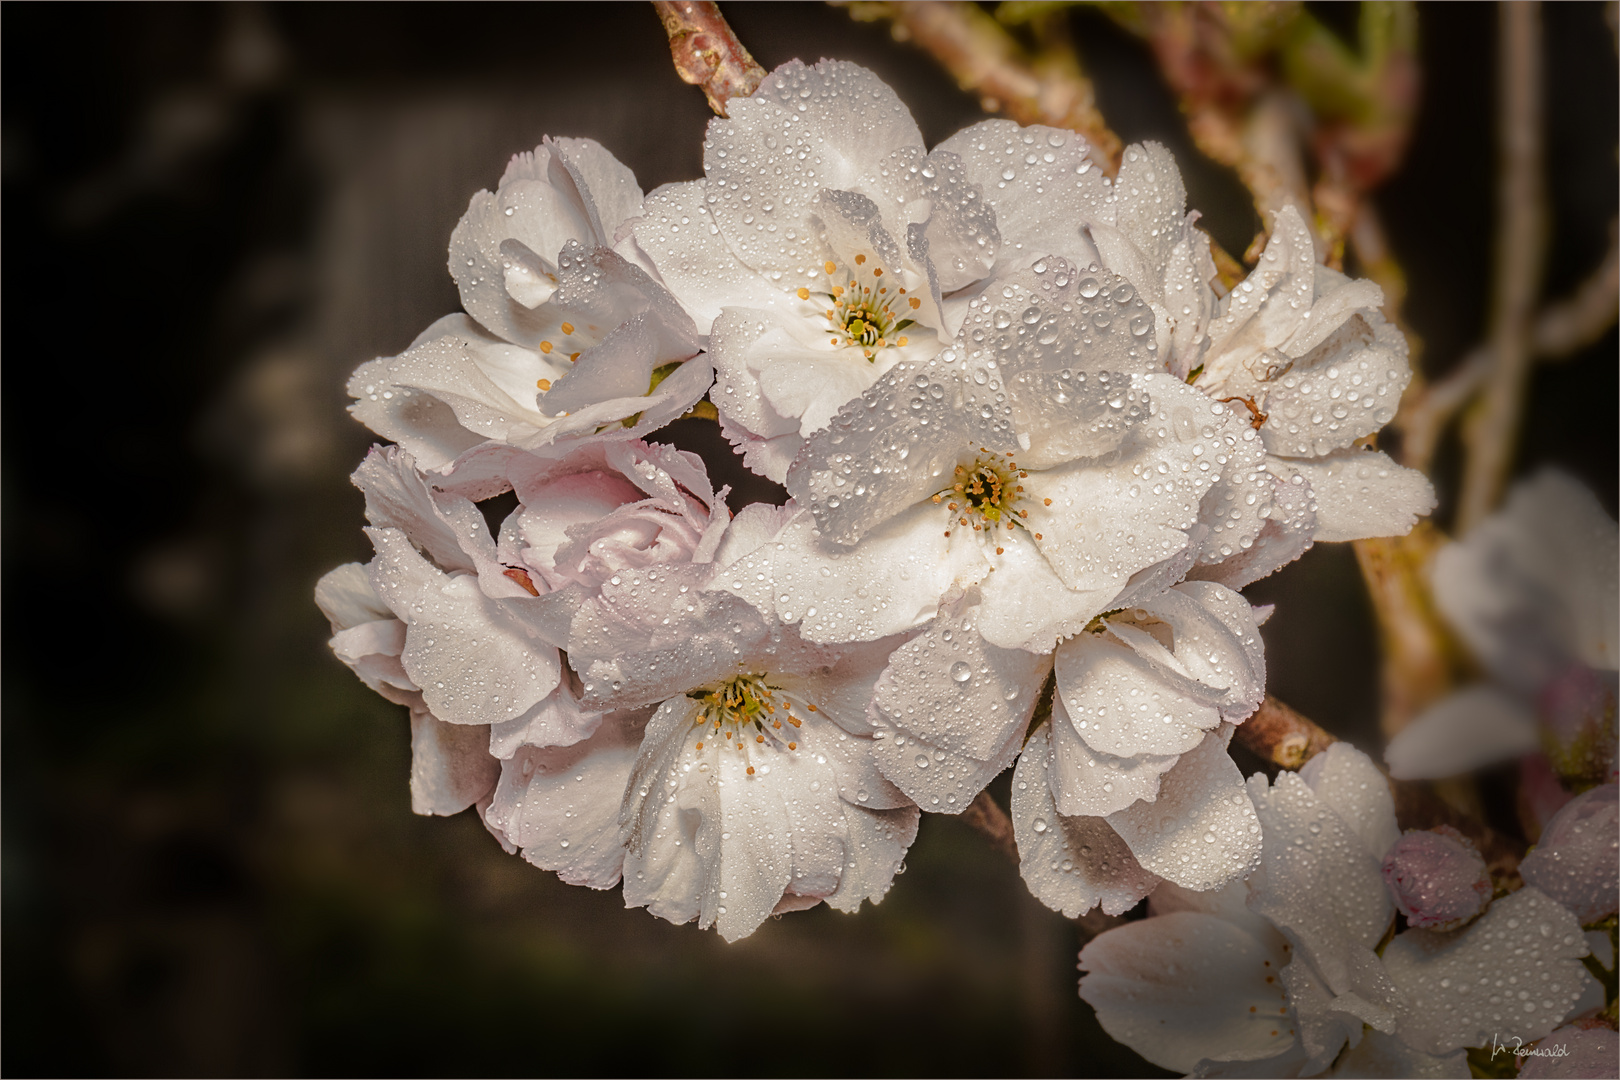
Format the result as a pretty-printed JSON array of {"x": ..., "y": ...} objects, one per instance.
[{"x": 212, "y": 214}]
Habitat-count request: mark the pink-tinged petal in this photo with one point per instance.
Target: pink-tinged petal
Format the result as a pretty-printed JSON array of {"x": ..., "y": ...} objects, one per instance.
[
  {"x": 1350, "y": 784},
  {"x": 1515, "y": 972},
  {"x": 1385, "y": 1055},
  {"x": 961, "y": 234},
  {"x": 561, "y": 804},
  {"x": 955, "y": 689},
  {"x": 1150, "y": 209},
  {"x": 1437, "y": 878},
  {"x": 835, "y": 121},
  {"x": 1267, "y": 307},
  {"x": 1122, "y": 705},
  {"x": 875, "y": 852},
  {"x": 889, "y": 583},
  {"x": 1041, "y": 207},
  {"x": 1071, "y": 864},
  {"x": 1322, "y": 888},
  {"x": 1472, "y": 728},
  {"x": 1362, "y": 493},
  {"x": 1577, "y": 862},
  {"x": 681, "y": 237},
  {"x": 1284, "y": 1064},
  {"x": 478, "y": 660},
  {"x": 1541, "y": 794},
  {"x": 1201, "y": 832},
  {"x": 606, "y": 187},
  {"x": 451, "y": 767},
  {"x": 1187, "y": 987},
  {"x": 1087, "y": 783},
  {"x": 1588, "y": 1048}
]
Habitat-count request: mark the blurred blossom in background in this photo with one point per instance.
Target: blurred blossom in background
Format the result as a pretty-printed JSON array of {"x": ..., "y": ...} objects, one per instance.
[{"x": 214, "y": 213}]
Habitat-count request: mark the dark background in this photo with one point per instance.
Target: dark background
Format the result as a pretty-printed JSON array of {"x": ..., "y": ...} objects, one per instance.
[{"x": 211, "y": 215}]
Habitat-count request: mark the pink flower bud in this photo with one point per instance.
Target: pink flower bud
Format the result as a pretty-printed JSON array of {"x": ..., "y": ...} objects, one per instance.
[
  {"x": 1577, "y": 713},
  {"x": 1437, "y": 878},
  {"x": 1578, "y": 860}
]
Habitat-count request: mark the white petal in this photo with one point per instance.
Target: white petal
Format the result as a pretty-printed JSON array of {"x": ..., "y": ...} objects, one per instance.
[
  {"x": 683, "y": 240},
  {"x": 559, "y": 720},
  {"x": 346, "y": 598},
  {"x": 956, "y": 690},
  {"x": 1201, "y": 831},
  {"x": 1380, "y": 1055},
  {"x": 1107, "y": 522},
  {"x": 942, "y": 781},
  {"x": 607, "y": 187},
  {"x": 477, "y": 659},
  {"x": 561, "y": 805},
  {"x": 875, "y": 848},
  {"x": 892, "y": 581},
  {"x": 1122, "y": 706},
  {"x": 1348, "y": 386},
  {"x": 1092, "y": 784},
  {"x": 1536, "y": 584},
  {"x": 1054, "y": 186},
  {"x": 451, "y": 767},
  {"x": 1290, "y": 523},
  {"x": 1185, "y": 987},
  {"x": 1150, "y": 208},
  {"x": 1026, "y": 606},
  {"x": 834, "y": 121},
  {"x": 1461, "y": 732},
  {"x": 1361, "y": 493},
  {"x": 1229, "y": 902},
  {"x": 1350, "y": 784},
  {"x": 1322, "y": 888},
  {"x": 1513, "y": 972},
  {"x": 1071, "y": 864},
  {"x": 961, "y": 232}
]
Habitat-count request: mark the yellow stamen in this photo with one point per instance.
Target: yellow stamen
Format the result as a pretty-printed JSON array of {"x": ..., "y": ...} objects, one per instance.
[
  {"x": 546, "y": 346},
  {"x": 544, "y": 384},
  {"x": 804, "y": 294},
  {"x": 568, "y": 328}
]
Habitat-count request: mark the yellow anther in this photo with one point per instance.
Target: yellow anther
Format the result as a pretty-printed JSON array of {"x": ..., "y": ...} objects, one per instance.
[
  {"x": 903, "y": 342},
  {"x": 750, "y": 770},
  {"x": 546, "y": 346},
  {"x": 544, "y": 384},
  {"x": 877, "y": 271},
  {"x": 860, "y": 260},
  {"x": 804, "y": 294},
  {"x": 831, "y": 267},
  {"x": 915, "y": 303},
  {"x": 573, "y": 357},
  {"x": 1048, "y": 502},
  {"x": 568, "y": 328},
  {"x": 793, "y": 746}
]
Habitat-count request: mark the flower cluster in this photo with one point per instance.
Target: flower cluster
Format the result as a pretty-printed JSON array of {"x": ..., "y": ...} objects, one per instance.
[{"x": 1033, "y": 445}]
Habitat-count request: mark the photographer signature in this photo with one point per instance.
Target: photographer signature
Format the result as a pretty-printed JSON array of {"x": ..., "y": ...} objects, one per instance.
[{"x": 1519, "y": 1050}]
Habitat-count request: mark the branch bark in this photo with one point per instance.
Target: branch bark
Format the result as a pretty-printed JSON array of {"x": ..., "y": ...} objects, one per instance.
[
  {"x": 707, "y": 53},
  {"x": 985, "y": 59},
  {"x": 1491, "y": 429}
]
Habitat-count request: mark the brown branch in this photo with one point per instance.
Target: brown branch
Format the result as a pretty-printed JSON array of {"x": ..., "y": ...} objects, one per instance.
[
  {"x": 985, "y": 59},
  {"x": 986, "y": 815},
  {"x": 1419, "y": 660},
  {"x": 1282, "y": 736},
  {"x": 706, "y": 52},
  {"x": 1490, "y": 432}
]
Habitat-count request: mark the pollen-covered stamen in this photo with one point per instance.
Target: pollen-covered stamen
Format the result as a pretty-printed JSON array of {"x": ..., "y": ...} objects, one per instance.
[
  {"x": 746, "y": 711},
  {"x": 867, "y": 309},
  {"x": 985, "y": 494}
]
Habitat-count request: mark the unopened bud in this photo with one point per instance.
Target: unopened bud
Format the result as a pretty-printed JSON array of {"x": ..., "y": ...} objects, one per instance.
[
  {"x": 1437, "y": 878},
  {"x": 1578, "y": 860}
]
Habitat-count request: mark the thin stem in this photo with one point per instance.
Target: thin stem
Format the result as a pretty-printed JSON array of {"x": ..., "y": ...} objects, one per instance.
[
  {"x": 1490, "y": 433},
  {"x": 986, "y": 815},
  {"x": 985, "y": 59},
  {"x": 1282, "y": 736},
  {"x": 707, "y": 53}
]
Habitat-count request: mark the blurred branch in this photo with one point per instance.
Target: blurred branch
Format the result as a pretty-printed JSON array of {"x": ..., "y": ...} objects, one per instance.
[
  {"x": 1418, "y": 659},
  {"x": 1562, "y": 329},
  {"x": 1490, "y": 431},
  {"x": 1047, "y": 87},
  {"x": 707, "y": 53},
  {"x": 987, "y": 816}
]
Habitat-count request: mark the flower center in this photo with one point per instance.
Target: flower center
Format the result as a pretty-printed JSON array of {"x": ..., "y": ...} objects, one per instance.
[
  {"x": 985, "y": 494},
  {"x": 867, "y": 312},
  {"x": 746, "y": 711}
]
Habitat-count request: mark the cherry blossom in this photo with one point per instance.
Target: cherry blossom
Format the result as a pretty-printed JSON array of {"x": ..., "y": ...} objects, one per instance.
[
  {"x": 1534, "y": 593},
  {"x": 1437, "y": 878},
  {"x": 1288, "y": 973},
  {"x": 562, "y": 339}
]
